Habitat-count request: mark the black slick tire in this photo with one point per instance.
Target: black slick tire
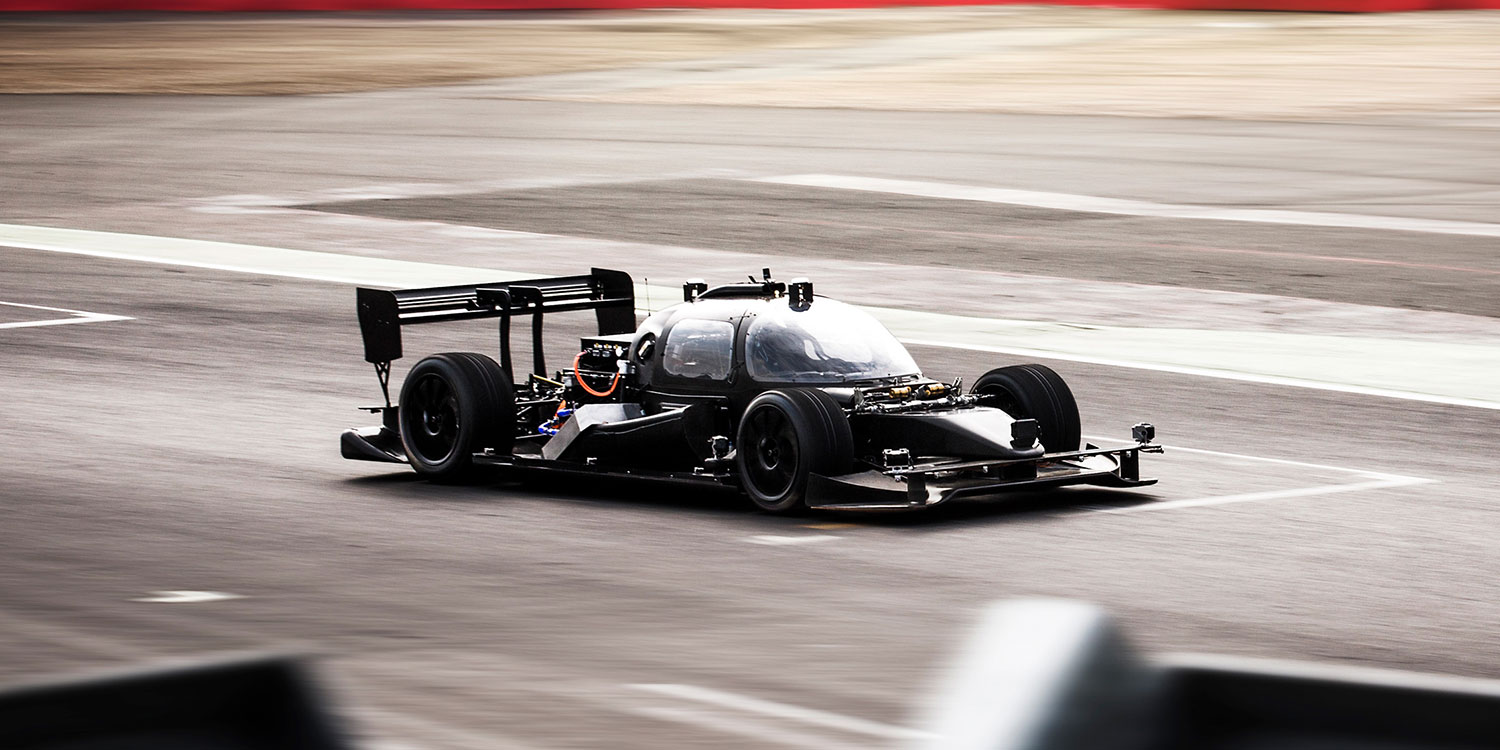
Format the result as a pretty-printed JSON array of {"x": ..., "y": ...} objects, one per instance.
[
  {"x": 1035, "y": 392},
  {"x": 784, "y": 437},
  {"x": 453, "y": 405}
]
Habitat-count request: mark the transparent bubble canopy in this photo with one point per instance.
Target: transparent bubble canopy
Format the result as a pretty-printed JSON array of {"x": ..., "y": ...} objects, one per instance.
[{"x": 826, "y": 342}]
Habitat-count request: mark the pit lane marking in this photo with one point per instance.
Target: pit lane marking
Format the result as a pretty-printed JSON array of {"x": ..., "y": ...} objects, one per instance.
[
  {"x": 1373, "y": 480},
  {"x": 74, "y": 316},
  {"x": 1125, "y": 207}
]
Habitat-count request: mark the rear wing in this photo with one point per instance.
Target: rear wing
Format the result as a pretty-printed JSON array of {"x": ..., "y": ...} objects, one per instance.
[{"x": 383, "y": 312}]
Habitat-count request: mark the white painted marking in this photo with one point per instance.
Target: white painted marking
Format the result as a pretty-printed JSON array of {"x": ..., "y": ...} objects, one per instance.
[
  {"x": 720, "y": 722},
  {"x": 229, "y": 256},
  {"x": 1281, "y": 461},
  {"x": 1354, "y": 673},
  {"x": 1433, "y": 372},
  {"x": 780, "y": 541},
  {"x": 1205, "y": 372},
  {"x": 77, "y": 316},
  {"x": 787, "y": 711},
  {"x": 1374, "y": 481},
  {"x": 1123, "y": 207},
  {"x": 1326, "y": 489},
  {"x": 187, "y": 597}
]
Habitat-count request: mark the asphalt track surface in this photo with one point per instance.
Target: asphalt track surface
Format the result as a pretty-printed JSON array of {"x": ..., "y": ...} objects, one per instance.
[{"x": 193, "y": 446}]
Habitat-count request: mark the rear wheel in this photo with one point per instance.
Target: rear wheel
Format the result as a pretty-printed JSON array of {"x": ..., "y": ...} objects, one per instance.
[
  {"x": 451, "y": 406},
  {"x": 1035, "y": 392},
  {"x": 784, "y": 437}
]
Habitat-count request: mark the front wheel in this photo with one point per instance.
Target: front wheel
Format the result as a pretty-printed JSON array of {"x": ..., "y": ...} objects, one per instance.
[
  {"x": 451, "y": 406},
  {"x": 1035, "y": 392},
  {"x": 784, "y": 437}
]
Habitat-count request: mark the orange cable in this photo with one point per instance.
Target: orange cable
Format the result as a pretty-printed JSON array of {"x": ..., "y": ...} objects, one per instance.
[{"x": 579, "y": 377}]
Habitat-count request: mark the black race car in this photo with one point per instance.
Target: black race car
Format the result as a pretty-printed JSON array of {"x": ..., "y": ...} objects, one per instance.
[{"x": 800, "y": 401}]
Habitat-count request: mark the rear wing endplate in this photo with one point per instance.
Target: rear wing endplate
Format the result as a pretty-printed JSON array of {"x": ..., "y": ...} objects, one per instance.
[{"x": 383, "y": 312}]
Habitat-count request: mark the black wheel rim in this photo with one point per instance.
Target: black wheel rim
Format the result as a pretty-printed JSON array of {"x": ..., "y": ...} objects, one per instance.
[
  {"x": 773, "y": 453},
  {"x": 433, "y": 421}
]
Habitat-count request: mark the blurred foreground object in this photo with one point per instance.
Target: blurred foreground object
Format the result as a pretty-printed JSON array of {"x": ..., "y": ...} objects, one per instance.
[
  {"x": 1036, "y": 675},
  {"x": 255, "y": 703},
  {"x": 1057, "y": 675}
]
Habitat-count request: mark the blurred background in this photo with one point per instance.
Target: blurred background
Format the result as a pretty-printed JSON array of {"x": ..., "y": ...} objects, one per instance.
[{"x": 1268, "y": 228}]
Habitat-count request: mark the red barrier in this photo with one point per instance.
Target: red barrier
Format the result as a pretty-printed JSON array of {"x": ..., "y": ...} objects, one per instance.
[{"x": 1337, "y": 6}]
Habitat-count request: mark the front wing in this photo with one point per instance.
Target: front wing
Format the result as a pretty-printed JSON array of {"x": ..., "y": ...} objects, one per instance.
[
  {"x": 903, "y": 488},
  {"x": 926, "y": 485}
]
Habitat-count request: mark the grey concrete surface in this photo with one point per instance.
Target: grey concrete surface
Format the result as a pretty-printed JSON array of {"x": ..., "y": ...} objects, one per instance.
[{"x": 194, "y": 446}]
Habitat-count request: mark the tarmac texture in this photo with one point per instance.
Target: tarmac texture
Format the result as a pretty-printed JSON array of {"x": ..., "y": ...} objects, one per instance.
[{"x": 175, "y": 428}]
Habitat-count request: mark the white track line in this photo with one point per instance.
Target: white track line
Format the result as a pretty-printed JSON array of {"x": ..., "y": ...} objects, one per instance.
[
  {"x": 1284, "y": 462},
  {"x": 78, "y": 316},
  {"x": 734, "y": 725},
  {"x": 1375, "y": 480},
  {"x": 773, "y": 540},
  {"x": 1323, "y": 671},
  {"x": 187, "y": 597},
  {"x": 809, "y": 716},
  {"x": 1203, "y": 372},
  {"x": 1121, "y": 207},
  {"x": 256, "y": 259},
  {"x": 912, "y": 328},
  {"x": 1326, "y": 489}
]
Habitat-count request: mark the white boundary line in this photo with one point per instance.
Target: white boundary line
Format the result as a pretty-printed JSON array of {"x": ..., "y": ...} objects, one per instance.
[
  {"x": 389, "y": 272},
  {"x": 1354, "y": 673},
  {"x": 735, "y": 725},
  {"x": 1325, "y": 489},
  {"x": 774, "y": 540},
  {"x": 239, "y": 258},
  {"x": 179, "y": 596},
  {"x": 1204, "y": 372},
  {"x": 1122, "y": 207},
  {"x": 79, "y": 316},
  {"x": 809, "y": 716},
  {"x": 1374, "y": 481}
]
